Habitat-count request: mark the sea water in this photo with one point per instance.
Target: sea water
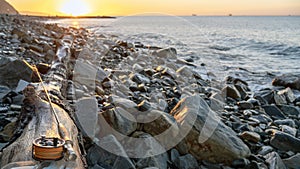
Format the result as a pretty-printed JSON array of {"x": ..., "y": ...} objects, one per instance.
[{"x": 253, "y": 48}]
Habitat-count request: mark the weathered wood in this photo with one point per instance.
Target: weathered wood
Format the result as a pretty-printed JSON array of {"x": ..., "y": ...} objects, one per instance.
[{"x": 43, "y": 121}]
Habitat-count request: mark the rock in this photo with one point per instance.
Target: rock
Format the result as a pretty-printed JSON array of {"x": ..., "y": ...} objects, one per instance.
[
  {"x": 202, "y": 124},
  {"x": 162, "y": 125},
  {"x": 4, "y": 91},
  {"x": 112, "y": 158},
  {"x": 285, "y": 142},
  {"x": 139, "y": 78},
  {"x": 43, "y": 68},
  {"x": 265, "y": 150},
  {"x": 240, "y": 163},
  {"x": 290, "y": 110},
  {"x": 292, "y": 162},
  {"x": 288, "y": 122},
  {"x": 147, "y": 151},
  {"x": 274, "y": 161},
  {"x": 242, "y": 90},
  {"x": 273, "y": 111},
  {"x": 250, "y": 136},
  {"x": 126, "y": 104},
  {"x": 288, "y": 93},
  {"x": 245, "y": 105},
  {"x": 144, "y": 106},
  {"x": 231, "y": 91},
  {"x": 186, "y": 162},
  {"x": 168, "y": 53},
  {"x": 13, "y": 70},
  {"x": 7, "y": 133},
  {"x": 279, "y": 99},
  {"x": 174, "y": 154},
  {"x": 120, "y": 120},
  {"x": 289, "y": 130},
  {"x": 288, "y": 80},
  {"x": 185, "y": 72}
]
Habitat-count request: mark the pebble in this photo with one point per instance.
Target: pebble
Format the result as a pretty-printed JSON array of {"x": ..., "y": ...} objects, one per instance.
[{"x": 250, "y": 136}]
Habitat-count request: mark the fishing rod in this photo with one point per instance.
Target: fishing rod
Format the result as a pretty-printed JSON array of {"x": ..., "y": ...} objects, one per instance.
[{"x": 63, "y": 132}]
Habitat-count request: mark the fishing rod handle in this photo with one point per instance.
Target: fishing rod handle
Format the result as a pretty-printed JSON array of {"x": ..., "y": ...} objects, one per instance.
[{"x": 71, "y": 155}]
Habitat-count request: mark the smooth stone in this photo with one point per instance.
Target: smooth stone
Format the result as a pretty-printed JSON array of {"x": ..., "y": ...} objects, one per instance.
[
  {"x": 289, "y": 130},
  {"x": 250, "y": 136},
  {"x": 285, "y": 142},
  {"x": 288, "y": 122},
  {"x": 274, "y": 161},
  {"x": 262, "y": 118},
  {"x": 242, "y": 90},
  {"x": 265, "y": 150},
  {"x": 201, "y": 123},
  {"x": 290, "y": 110},
  {"x": 287, "y": 80},
  {"x": 167, "y": 53},
  {"x": 186, "y": 162},
  {"x": 185, "y": 71},
  {"x": 126, "y": 104},
  {"x": 273, "y": 111},
  {"x": 231, "y": 91},
  {"x": 279, "y": 99},
  {"x": 292, "y": 162}
]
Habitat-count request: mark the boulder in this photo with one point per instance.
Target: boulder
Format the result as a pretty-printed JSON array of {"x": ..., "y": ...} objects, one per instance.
[
  {"x": 287, "y": 80},
  {"x": 292, "y": 162},
  {"x": 167, "y": 53},
  {"x": 273, "y": 111},
  {"x": 13, "y": 70},
  {"x": 207, "y": 137},
  {"x": 288, "y": 93},
  {"x": 274, "y": 161},
  {"x": 231, "y": 91},
  {"x": 186, "y": 162}
]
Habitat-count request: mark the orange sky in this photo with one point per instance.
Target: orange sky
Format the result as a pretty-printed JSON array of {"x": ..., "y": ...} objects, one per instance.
[{"x": 172, "y": 7}]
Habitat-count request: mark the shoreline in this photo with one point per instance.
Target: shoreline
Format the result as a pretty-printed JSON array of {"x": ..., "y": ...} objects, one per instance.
[{"x": 125, "y": 81}]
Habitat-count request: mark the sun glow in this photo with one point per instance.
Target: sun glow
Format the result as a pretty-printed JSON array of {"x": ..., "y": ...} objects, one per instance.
[{"x": 75, "y": 7}]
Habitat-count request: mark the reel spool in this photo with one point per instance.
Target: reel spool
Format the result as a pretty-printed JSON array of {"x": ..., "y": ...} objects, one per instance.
[{"x": 48, "y": 148}]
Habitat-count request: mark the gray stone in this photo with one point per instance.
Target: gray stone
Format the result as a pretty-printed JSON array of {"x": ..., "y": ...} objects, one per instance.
[
  {"x": 186, "y": 162},
  {"x": 279, "y": 99},
  {"x": 293, "y": 162},
  {"x": 250, "y": 136},
  {"x": 120, "y": 120},
  {"x": 265, "y": 150},
  {"x": 174, "y": 154},
  {"x": 110, "y": 152},
  {"x": 288, "y": 122},
  {"x": 240, "y": 163},
  {"x": 207, "y": 137},
  {"x": 274, "y": 161},
  {"x": 168, "y": 53},
  {"x": 126, "y": 104},
  {"x": 12, "y": 71},
  {"x": 139, "y": 78},
  {"x": 288, "y": 93},
  {"x": 290, "y": 110},
  {"x": 273, "y": 111},
  {"x": 4, "y": 91},
  {"x": 231, "y": 91},
  {"x": 289, "y": 130},
  {"x": 285, "y": 142},
  {"x": 245, "y": 105}
]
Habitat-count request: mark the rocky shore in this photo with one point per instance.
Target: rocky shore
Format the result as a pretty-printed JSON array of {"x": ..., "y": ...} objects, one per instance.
[{"x": 143, "y": 107}]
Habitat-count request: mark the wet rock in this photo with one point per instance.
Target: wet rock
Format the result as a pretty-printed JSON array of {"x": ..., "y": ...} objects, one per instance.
[
  {"x": 111, "y": 159},
  {"x": 242, "y": 89},
  {"x": 273, "y": 111},
  {"x": 285, "y": 142},
  {"x": 287, "y": 80},
  {"x": 186, "y": 162},
  {"x": 203, "y": 125},
  {"x": 274, "y": 161},
  {"x": 293, "y": 162},
  {"x": 13, "y": 70},
  {"x": 279, "y": 99},
  {"x": 240, "y": 163},
  {"x": 231, "y": 91},
  {"x": 4, "y": 91},
  {"x": 250, "y": 136}
]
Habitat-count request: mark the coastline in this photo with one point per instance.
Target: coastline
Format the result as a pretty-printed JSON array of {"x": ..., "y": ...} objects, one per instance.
[{"x": 127, "y": 82}]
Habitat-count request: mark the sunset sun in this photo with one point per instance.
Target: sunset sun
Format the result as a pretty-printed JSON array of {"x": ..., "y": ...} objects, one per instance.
[{"x": 75, "y": 7}]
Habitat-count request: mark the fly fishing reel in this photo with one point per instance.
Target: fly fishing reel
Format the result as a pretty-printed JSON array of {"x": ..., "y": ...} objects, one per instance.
[{"x": 48, "y": 148}]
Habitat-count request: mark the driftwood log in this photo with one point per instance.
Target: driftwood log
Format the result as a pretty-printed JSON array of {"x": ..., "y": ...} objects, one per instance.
[{"x": 42, "y": 120}]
